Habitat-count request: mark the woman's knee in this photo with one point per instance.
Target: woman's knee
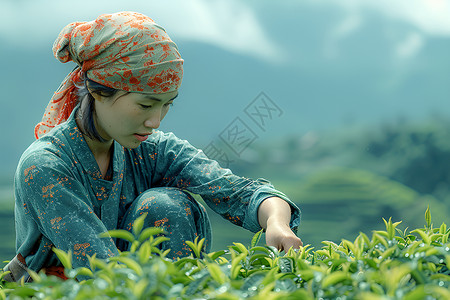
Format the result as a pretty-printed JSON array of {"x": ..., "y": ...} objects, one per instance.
[
  {"x": 174, "y": 210},
  {"x": 165, "y": 201},
  {"x": 167, "y": 205}
]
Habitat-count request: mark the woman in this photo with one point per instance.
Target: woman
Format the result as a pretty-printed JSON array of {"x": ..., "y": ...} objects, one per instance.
[{"x": 98, "y": 163}]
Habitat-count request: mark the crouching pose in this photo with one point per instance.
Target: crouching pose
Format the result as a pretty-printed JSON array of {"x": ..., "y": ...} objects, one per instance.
[{"x": 99, "y": 163}]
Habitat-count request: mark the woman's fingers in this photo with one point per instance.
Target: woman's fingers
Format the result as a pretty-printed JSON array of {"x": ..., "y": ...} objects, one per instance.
[
  {"x": 292, "y": 241},
  {"x": 282, "y": 237}
]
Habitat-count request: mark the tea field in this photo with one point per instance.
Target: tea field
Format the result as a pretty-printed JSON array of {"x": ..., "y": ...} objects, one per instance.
[{"x": 393, "y": 263}]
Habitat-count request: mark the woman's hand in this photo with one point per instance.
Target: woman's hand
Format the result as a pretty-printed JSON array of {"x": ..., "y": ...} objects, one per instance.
[
  {"x": 279, "y": 235},
  {"x": 274, "y": 215}
]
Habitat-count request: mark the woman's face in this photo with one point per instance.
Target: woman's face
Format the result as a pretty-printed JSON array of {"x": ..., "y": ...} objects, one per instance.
[{"x": 129, "y": 118}]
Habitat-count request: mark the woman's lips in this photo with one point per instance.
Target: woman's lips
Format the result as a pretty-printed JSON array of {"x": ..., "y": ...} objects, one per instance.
[{"x": 141, "y": 137}]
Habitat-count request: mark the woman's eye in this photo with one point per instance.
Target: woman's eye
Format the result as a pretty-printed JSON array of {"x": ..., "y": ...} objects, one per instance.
[
  {"x": 168, "y": 104},
  {"x": 145, "y": 106}
]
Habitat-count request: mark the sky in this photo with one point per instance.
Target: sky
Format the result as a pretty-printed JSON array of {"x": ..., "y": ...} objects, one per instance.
[
  {"x": 214, "y": 22},
  {"x": 327, "y": 64},
  {"x": 211, "y": 22}
]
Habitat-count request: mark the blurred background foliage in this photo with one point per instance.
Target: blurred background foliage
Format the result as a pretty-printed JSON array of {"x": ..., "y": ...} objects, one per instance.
[{"x": 346, "y": 181}]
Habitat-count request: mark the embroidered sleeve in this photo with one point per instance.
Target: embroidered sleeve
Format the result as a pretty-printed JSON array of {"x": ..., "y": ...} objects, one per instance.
[{"x": 235, "y": 198}]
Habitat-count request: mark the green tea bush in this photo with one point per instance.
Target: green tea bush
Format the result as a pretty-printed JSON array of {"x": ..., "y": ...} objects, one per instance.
[{"x": 391, "y": 264}]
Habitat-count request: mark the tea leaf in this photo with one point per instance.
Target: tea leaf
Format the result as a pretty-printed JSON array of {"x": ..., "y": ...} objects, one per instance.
[
  {"x": 134, "y": 245},
  {"x": 260, "y": 248},
  {"x": 428, "y": 217},
  {"x": 335, "y": 278},
  {"x": 194, "y": 247},
  {"x": 444, "y": 238},
  {"x": 421, "y": 292},
  {"x": 159, "y": 240},
  {"x": 92, "y": 260},
  {"x": 84, "y": 272},
  {"x": 24, "y": 292},
  {"x": 426, "y": 239},
  {"x": 65, "y": 258},
  {"x": 377, "y": 238},
  {"x": 252, "y": 282},
  {"x": 365, "y": 238},
  {"x": 97, "y": 263},
  {"x": 260, "y": 259},
  {"x": 200, "y": 244},
  {"x": 241, "y": 248},
  {"x": 140, "y": 287},
  {"x": 216, "y": 273},
  {"x": 388, "y": 253},
  {"x": 324, "y": 253},
  {"x": 164, "y": 253},
  {"x": 144, "y": 253},
  {"x": 286, "y": 265},
  {"x": 2, "y": 275},
  {"x": 271, "y": 276},
  {"x": 256, "y": 238},
  {"x": 138, "y": 224},
  {"x": 150, "y": 231},
  {"x": 130, "y": 263},
  {"x": 118, "y": 233},
  {"x": 349, "y": 245},
  {"x": 34, "y": 276},
  {"x": 215, "y": 255},
  {"x": 236, "y": 265}
]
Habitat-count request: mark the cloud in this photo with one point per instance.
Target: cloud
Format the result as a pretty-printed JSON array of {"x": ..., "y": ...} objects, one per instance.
[
  {"x": 345, "y": 28},
  {"x": 423, "y": 18},
  {"x": 230, "y": 25},
  {"x": 410, "y": 46},
  {"x": 429, "y": 16}
]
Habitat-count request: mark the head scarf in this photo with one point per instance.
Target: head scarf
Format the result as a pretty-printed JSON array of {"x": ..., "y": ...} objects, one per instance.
[{"x": 126, "y": 51}]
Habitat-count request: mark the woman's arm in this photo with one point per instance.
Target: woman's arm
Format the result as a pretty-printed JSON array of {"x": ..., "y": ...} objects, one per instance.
[
  {"x": 274, "y": 215},
  {"x": 237, "y": 199}
]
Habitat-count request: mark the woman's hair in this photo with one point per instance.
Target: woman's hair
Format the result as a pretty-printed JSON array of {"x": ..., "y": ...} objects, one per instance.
[{"x": 87, "y": 107}]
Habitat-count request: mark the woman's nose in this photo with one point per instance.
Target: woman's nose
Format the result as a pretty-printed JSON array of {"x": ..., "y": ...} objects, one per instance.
[{"x": 153, "y": 120}]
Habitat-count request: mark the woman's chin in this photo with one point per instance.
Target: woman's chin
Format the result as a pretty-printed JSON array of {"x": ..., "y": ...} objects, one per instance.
[{"x": 129, "y": 144}]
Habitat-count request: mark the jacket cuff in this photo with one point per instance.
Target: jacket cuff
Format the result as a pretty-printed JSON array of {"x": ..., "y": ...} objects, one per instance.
[{"x": 261, "y": 194}]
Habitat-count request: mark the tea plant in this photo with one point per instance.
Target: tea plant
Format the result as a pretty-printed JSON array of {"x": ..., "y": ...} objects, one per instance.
[{"x": 391, "y": 264}]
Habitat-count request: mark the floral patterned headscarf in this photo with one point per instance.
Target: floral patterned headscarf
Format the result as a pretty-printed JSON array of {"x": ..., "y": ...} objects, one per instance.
[{"x": 126, "y": 51}]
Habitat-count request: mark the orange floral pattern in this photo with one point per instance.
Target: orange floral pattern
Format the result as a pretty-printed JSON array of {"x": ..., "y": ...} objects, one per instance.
[
  {"x": 80, "y": 249},
  {"x": 126, "y": 51}
]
